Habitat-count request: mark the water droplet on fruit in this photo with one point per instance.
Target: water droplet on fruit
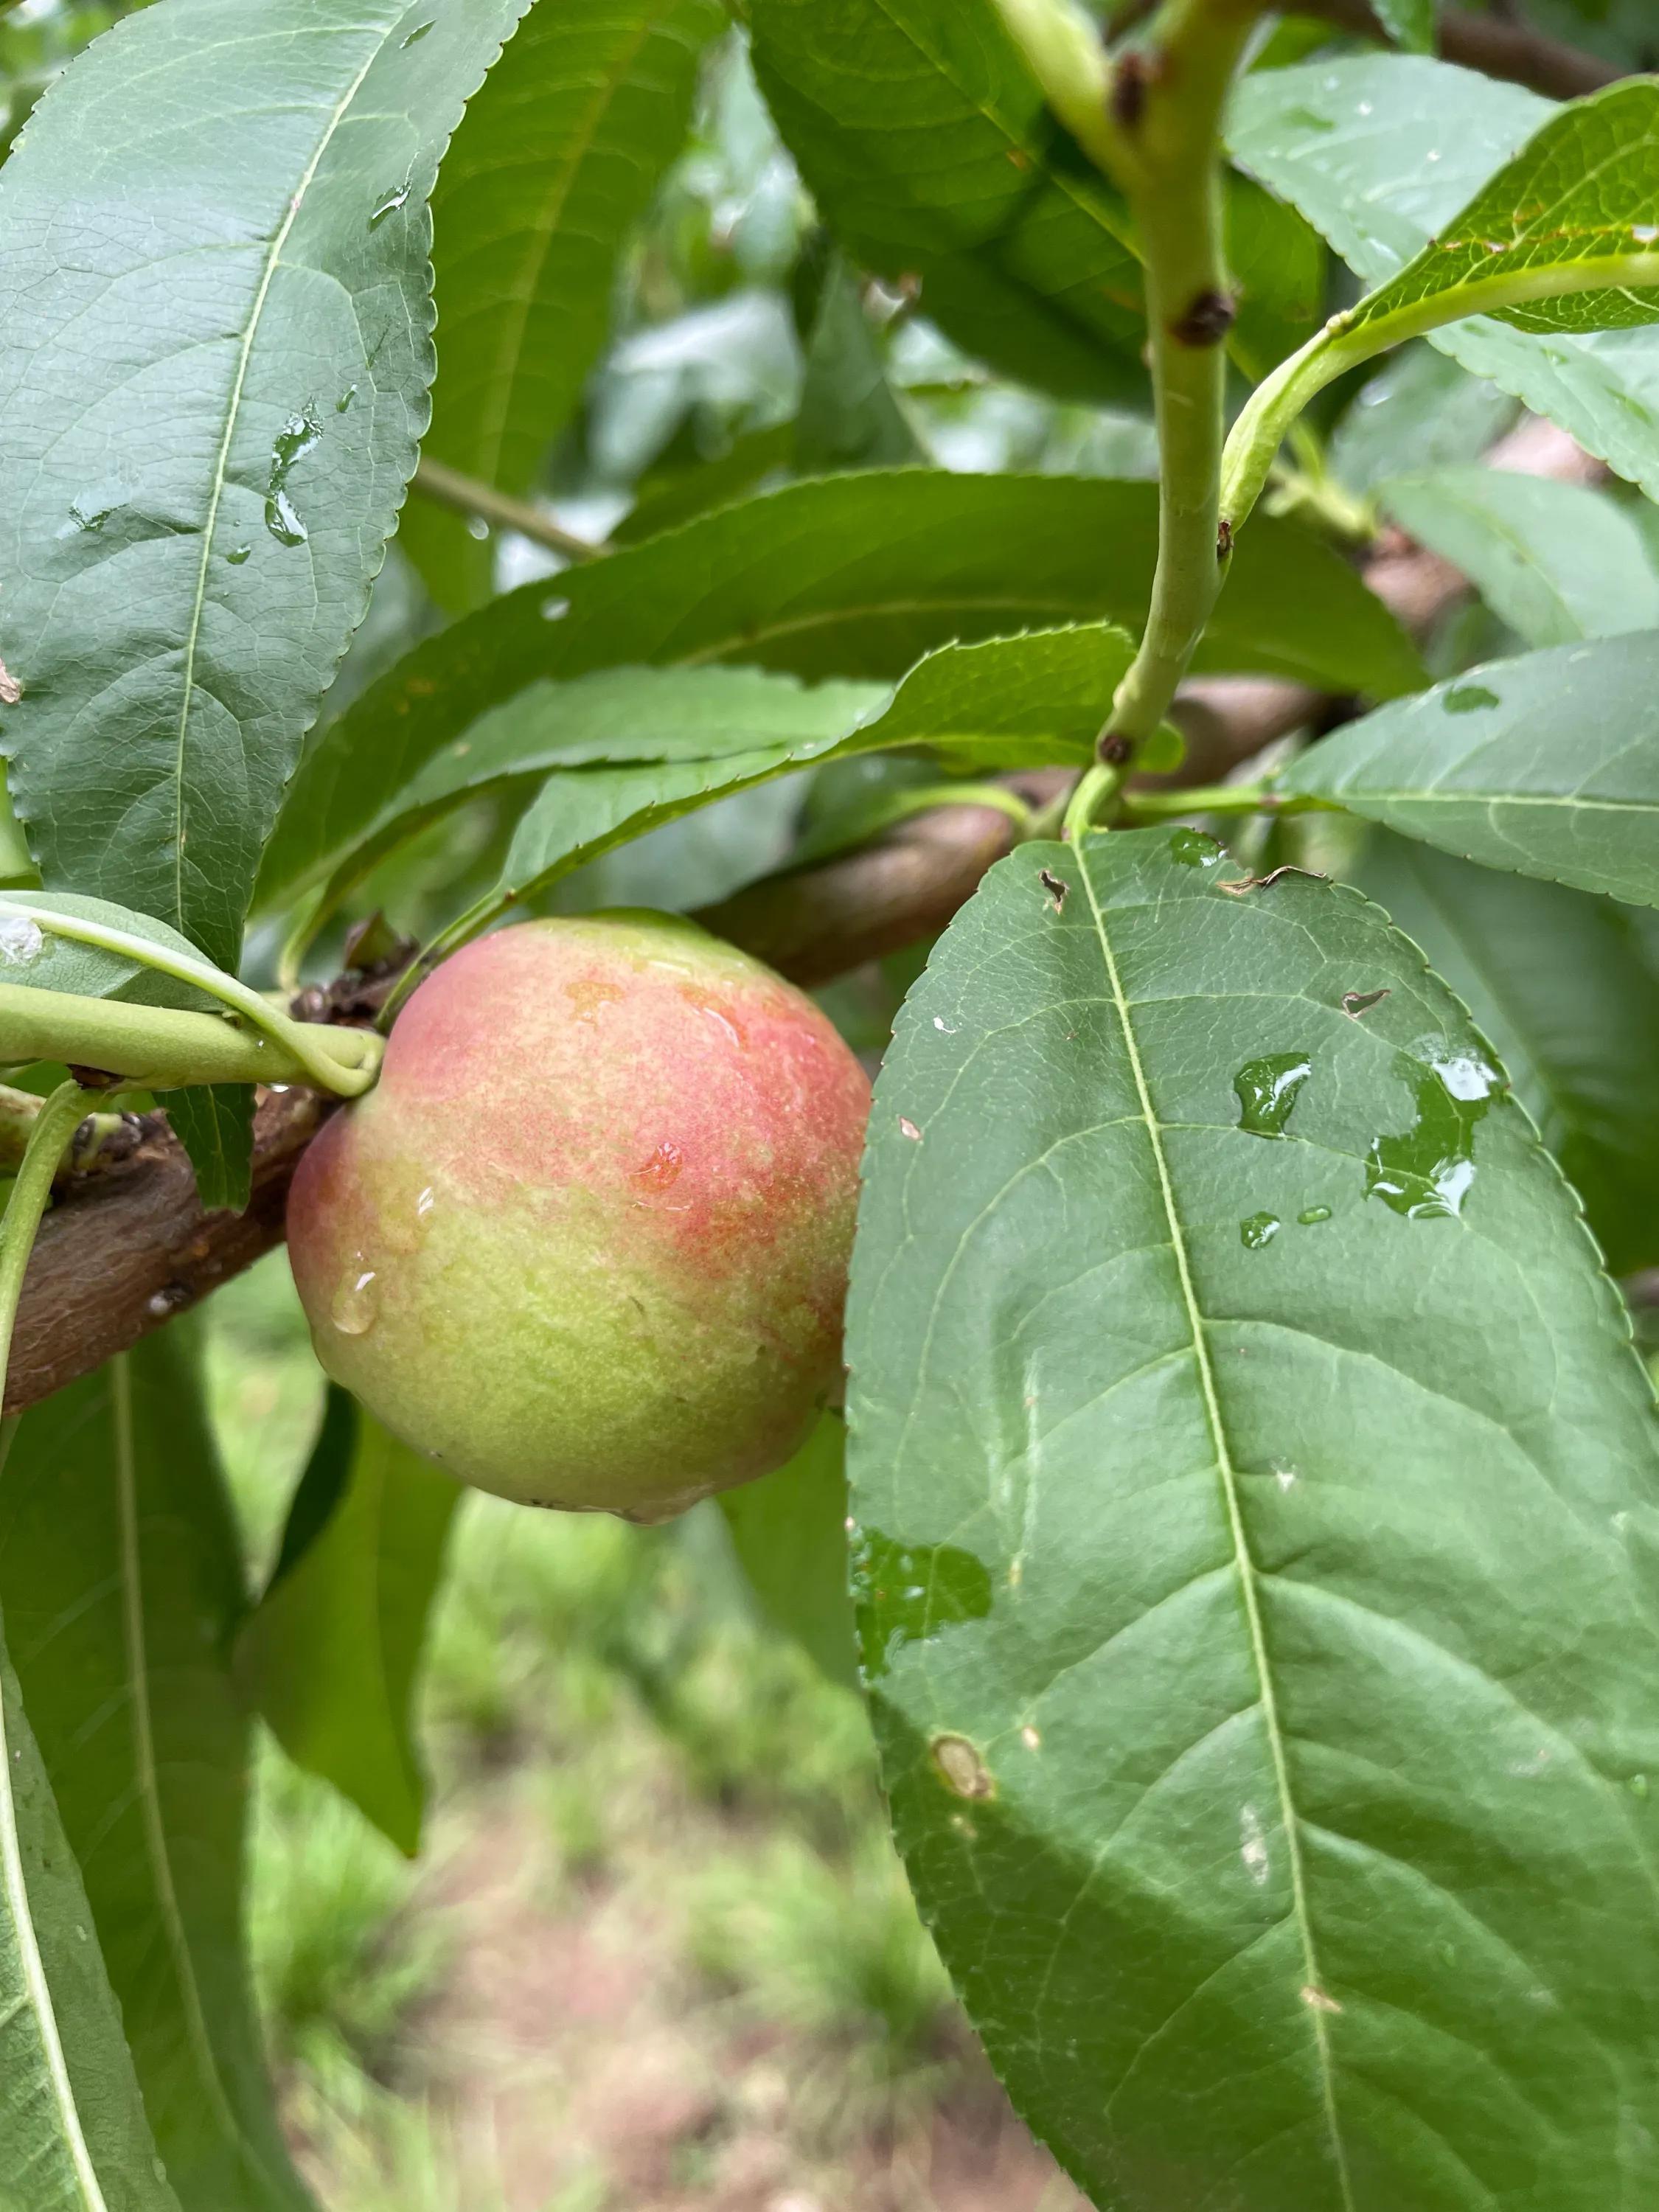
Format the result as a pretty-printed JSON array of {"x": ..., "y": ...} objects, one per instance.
[
  {"x": 425, "y": 1202},
  {"x": 1310, "y": 1214},
  {"x": 1267, "y": 1089},
  {"x": 1425, "y": 1172},
  {"x": 661, "y": 1169},
  {"x": 356, "y": 1305},
  {"x": 961, "y": 1768},
  {"x": 1260, "y": 1229},
  {"x": 723, "y": 1023},
  {"x": 294, "y": 442},
  {"x": 20, "y": 940},
  {"x": 1195, "y": 848},
  {"x": 390, "y": 204}
]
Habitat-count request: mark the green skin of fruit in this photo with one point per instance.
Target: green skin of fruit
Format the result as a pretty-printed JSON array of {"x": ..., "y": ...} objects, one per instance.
[{"x": 586, "y": 1243}]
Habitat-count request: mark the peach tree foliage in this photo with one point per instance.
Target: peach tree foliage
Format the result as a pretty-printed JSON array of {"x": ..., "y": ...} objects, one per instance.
[{"x": 1247, "y": 1497}]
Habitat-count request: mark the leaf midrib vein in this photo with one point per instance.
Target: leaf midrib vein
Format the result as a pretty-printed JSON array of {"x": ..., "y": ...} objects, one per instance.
[
  {"x": 1244, "y": 1562},
  {"x": 221, "y": 466}
]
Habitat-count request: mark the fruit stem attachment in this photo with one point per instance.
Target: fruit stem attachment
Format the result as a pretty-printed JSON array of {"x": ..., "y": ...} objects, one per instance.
[{"x": 55, "y": 1125}]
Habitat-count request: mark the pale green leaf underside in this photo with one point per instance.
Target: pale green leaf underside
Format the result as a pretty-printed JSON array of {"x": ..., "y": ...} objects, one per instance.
[
  {"x": 1556, "y": 562},
  {"x": 215, "y": 346},
  {"x": 1547, "y": 764},
  {"x": 1266, "y": 1675},
  {"x": 1381, "y": 153},
  {"x": 1565, "y": 987},
  {"x": 556, "y": 162},
  {"x": 331, "y": 1654},
  {"x": 854, "y": 576},
  {"x": 121, "y": 1581}
]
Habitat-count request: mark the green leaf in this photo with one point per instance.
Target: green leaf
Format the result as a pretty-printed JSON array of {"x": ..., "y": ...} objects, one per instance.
[
  {"x": 70, "y": 2118},
  {"x": 1409, "y": 23},
  {"x": 1037, "y": 701},
  {"x": 215, "y": 1124},
  {"x": 855, "y": 577},
  {"x": 1563, "y": 986},
  {"x": 1547, "y": 764},
  {"x": 556, "y": 160},
  {"x": 214, "y": 347},
  {"x": 1556, "y": 562},
  {"x": 1255, "y": 1567},
  {"x": 789, "y": 1532},
  {"x": 1277, "y": 259},
  {"x": 1561, "y": 238},
  {"x": 1381, "y": 153},
  {"x": 1013, "y": 701},
  {"x": 120, "y": 1576},
  {"x": 712, "y": 719},
  {"x": 850, "y": 416},
  {"x": 927, "y": 144},
  {"x": 331, "y": 1654}
]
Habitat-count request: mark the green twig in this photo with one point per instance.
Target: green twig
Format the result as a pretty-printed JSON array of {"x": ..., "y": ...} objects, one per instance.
[
  {"x": 447, "y": 487},
  {"x": 163, "y": 1049},
  {"x": 21, "y": 1109},
  {"x": 334, "y": 1059},
  {"x": 1152, "y": 122},
  {"x": 1347, "y": 341},
  {"x": 54, "y": 1126},
  {"x": 1096, "y": 788},
  {"x": 1219, "y": 798}
]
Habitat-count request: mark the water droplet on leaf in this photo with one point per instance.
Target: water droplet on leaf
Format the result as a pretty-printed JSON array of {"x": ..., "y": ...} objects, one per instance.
[
  {"x": 1310, "y": 1214},
  {"x": 1267, "y": 1089},
  {"x": 1425, "y": 1172},
  {"x": 1469, "y": 699},
  {"x": 344, "y": 402},
  {"x": 417, "y": 34},
  {"x": 1638, "y": 1785},
  {"x": 1260, "y": 1229},
  {"x": 906, "y": 1594},
  {"x": 297, "y": 437},
  {"x": 1195, "y": 848},
  {"x": 477, "y": 528},
  {"x": 390, "y": 204}
]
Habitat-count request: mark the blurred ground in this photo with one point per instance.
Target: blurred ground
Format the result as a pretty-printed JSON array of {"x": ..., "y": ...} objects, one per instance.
[{"x": 658, "y": 1955}]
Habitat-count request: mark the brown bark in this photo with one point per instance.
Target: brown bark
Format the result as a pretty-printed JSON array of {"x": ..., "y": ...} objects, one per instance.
[{"x": 1494, "y": 44}]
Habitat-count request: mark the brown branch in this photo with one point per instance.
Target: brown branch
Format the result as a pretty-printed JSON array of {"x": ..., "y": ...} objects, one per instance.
[{"x": 1492, "y": 44}]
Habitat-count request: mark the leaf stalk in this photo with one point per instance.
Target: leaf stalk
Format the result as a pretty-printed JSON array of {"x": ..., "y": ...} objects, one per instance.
[{"x": 54, "y": 1127}]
